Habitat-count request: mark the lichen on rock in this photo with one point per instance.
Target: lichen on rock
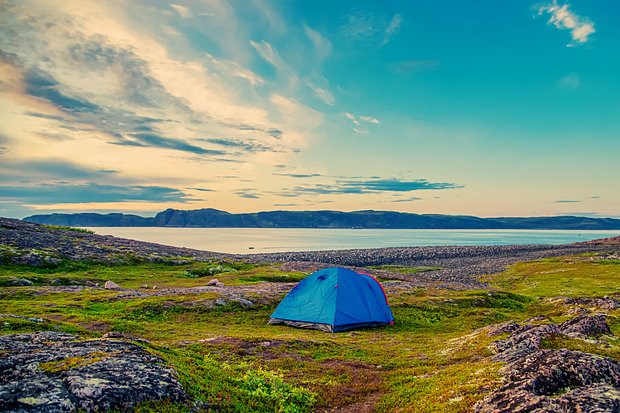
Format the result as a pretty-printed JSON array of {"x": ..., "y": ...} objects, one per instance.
[{"x": 91, "y": 375}]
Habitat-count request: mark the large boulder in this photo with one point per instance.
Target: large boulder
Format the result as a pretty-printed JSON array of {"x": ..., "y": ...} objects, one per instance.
[{"x": 55, "y": 372}]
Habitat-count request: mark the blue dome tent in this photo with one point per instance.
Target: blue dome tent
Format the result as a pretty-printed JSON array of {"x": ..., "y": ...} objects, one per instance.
[{"x": 334, "y": 299}]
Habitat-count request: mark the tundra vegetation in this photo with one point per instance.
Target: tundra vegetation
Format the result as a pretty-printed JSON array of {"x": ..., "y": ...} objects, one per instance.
[{"x": 214, "y": 333}]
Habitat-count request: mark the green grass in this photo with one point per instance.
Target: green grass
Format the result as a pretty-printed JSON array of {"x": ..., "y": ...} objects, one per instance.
[
  {"x": 230, "y": 359},
  {"x": 66, "y": 228}
]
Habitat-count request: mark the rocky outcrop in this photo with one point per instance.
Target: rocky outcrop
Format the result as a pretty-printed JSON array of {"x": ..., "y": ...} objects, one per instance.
[
  {"x": 557, "y": 381},
  {"x": 39, "y": 245},
  {"x": 542, "y": 381},
  {"x": 55, "y": 372}
]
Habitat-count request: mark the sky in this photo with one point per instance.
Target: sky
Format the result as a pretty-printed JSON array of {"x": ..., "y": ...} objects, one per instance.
[{"x": 486, "y": 108}]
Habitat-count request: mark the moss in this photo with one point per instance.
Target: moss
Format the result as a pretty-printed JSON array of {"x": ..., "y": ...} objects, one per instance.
[{"x": 57, "y": 367}]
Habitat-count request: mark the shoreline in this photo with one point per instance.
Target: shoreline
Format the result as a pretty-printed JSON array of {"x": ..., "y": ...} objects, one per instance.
[{"x": 34, "y": 244}]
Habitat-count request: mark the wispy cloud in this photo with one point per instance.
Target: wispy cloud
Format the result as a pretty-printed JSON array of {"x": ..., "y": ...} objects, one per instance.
[
  {"x": 20, "y": 170},
  {"x": 567, "y": 201},
  {"x": 89, "y": 192},
  {"x": 269, "y": 53},
  {"x": 358, "y": 121},
  {"x": 391, "y": 29},
  {"x": 293, "y": 175},
  {"x": 181, "y": 10},
  {"x": 564, "y": 19},
  {"x": 570, "y": 82},
  {"x": 367, "y": 27},
  {"x": 157, "y": 141},
  {"x": 322, "y": 45},
  {"x": 372, "y": 186},
  {"x": 370, "y": 119},
  {"x": 324, "y": 94},
  {"x": 247, "y": 193},
  {"x": 247, "y": 145},
  {"x": 413, "y": 198}
]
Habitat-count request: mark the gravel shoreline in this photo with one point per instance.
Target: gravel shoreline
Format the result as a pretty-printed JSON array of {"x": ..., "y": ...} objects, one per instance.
[{"x": 460, "y": 264}]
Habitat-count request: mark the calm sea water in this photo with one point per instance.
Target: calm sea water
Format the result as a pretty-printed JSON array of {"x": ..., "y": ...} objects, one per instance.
[{"x": 256, "y": 240}]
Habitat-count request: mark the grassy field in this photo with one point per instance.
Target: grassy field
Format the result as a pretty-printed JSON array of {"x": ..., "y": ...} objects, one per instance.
[{"x": 229, "y": 357}]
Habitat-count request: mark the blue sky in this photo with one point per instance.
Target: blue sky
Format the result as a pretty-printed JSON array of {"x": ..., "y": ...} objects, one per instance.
[{"x": 484, "y": 108}]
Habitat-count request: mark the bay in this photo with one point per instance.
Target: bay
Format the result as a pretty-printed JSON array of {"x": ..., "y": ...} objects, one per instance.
[{"x": 262, "y": 240}]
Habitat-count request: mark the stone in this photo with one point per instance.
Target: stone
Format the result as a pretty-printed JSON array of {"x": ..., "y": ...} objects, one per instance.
[
  {"x": 21, "y": 282},
  {"x": 213, "y": 282},
  {"x": 539, "y": 382},
  {"x": 244, "y": 303},
  {"x": 102, "y": 375},
  {"x": 546, "y": 381},
  {"x": 111, "y": 285},
  {"x": 523, "y": 341},
  {"x": 586, "y": 326}
]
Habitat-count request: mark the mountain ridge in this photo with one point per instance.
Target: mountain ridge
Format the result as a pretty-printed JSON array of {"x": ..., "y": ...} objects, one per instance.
[{"x": 214, "y": 218}]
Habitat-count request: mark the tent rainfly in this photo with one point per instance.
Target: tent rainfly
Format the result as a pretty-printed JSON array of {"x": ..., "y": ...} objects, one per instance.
[{"x": 334, "y": 299}]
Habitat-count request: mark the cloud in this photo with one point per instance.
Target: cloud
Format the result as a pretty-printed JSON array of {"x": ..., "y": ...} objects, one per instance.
[
  {"x": 247, "y": 193},
  {"x": 570, "y": 82},
  {"x": 246, "y": 145},
  {"x": 567, "y": 201},
  {"x": 564, "y": 19},
  {"x": 269, "y": 54},
  {"x": 323, "y": 94},
  {"x": 157, "y": 141},
  {"x": 370, "y": 119},
  {"x": 414, "y": 198},
  {"x": 322, "y": 45},
  {"x": 357, "y": 122},
  {"x": 366, "y": 27},
  {"x": 182, "y": 10},
  {"x": 391, "y": 29},
  {"x": 300, "y": 175},
  {"x": 41, "y": 85},
  {"x": 412, "y": 66},
  {"x": 12, "y": 170},
  {"x": 202, "y": 189},
  {"x": 89, "y": 192},
  {"x": 372, "y": 186}
]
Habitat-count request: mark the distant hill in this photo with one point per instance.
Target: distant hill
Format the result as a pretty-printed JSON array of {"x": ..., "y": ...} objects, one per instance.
[{"x": 213, "y": 218}]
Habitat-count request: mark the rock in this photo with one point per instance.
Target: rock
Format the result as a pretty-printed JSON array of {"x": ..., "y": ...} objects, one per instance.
[
  {"x": 605, "y": 303},
  {"x": 523, "y": 341},
  {"x": 21, "y": 282},
  {"x": 586, "y": 326},
  {"x": 244, "y": 303},
  {"x": 111, "y": 285},
  {"x": 144, "y": 286},
  {"x": 155, "y": 286},
  {"x": 98, "y": 375},
  {"x": 113, "y": 334},
  {"x": 213, "y": 282},
  {"x": 497, "y": 329},
  {"x": 33, "y": 319},
  {"x": 539, "y": 382}
]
